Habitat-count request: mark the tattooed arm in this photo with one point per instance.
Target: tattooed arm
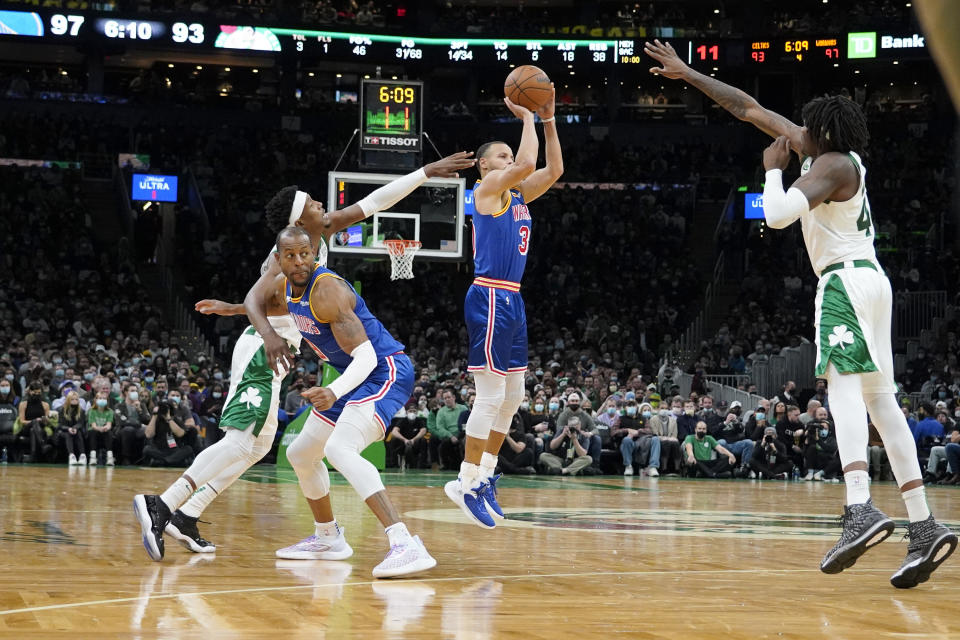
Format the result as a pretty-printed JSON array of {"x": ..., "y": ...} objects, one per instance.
[{"x": 740, "y": 104}]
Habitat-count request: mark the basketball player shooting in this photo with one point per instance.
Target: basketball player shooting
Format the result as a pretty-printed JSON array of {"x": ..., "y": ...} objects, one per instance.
[
  {"x": 853, "y": 308},
  {"x": 494, "y": 311}
]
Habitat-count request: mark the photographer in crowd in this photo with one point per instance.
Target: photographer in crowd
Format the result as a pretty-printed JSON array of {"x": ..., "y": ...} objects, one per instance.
[
  {"x": 162, "y": 433},
  {"x": 820, "y": 454},
  {"x": 770, "y": 459},
  {"x": 568, "y": 450}
]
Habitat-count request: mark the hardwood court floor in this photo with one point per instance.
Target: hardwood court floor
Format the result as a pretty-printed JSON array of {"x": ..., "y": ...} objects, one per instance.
[{"x": 577, "y": 558}]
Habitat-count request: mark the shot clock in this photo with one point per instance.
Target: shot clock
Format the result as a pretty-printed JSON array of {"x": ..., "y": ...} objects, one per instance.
[{"x": 390, "y": 115}]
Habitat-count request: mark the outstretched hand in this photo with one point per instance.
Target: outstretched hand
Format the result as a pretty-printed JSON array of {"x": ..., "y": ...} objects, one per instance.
[
  {"x": 212, "y": 307},
  {"x": 449, "y": 166},
  {"x": 517, "y": 110},
  {"x": 671, "y": 65}
]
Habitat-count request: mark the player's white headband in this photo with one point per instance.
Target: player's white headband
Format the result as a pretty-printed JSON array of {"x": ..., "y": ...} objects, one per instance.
[{"x": 299, "y": 202}]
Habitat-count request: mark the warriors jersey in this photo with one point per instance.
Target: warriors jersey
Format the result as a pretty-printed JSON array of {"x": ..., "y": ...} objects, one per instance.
[
  {"x": 320, "y": 337},
  {"x": 840, "y": 231},
  {"x": 501, "y": 241}
]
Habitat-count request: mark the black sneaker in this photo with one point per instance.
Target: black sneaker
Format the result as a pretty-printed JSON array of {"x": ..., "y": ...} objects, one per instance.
[
  {"x": 153, "y": 515},
  {"x": 184, "y": 530},
  {"x": 864, "y": 526},
  {"x": 928, "y": 539}
]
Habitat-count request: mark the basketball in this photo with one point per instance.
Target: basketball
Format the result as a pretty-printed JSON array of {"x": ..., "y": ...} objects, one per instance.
[{"x": 528, "y": 86}]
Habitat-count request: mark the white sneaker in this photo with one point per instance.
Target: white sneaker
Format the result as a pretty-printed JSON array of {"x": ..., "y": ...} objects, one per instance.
[
  {"x": 317, "y": 548},
  {"x": 809, "y": 475},
  {"x": 93, "y": 458},
  {"x": 72, "y": 461},
  {"x": 471, "y": 502},
  {"x": 110, "y": 458},
  {"x": 405, "y": 558},
  {"x": 753, "y": 475},
  {"x": 628, "y": 470},
  {"x": 818, "y": 475},
  {"x": 652, "y": 472},
  {"x": 83, "y": 460}
]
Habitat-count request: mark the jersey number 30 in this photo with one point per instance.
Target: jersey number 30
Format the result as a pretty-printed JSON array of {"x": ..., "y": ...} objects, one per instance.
[
  {"x": 524, "y": 245},
  {"x": 864, "y": 222}
]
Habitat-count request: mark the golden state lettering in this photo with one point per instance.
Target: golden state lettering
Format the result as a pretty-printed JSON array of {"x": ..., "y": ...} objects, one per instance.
[
  {"x": 520, "y": 212},
  {"x": 306, "y": 325}
]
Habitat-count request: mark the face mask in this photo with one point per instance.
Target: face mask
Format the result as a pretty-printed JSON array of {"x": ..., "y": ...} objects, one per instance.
[
  {"x": 611, "y": 411},
  {"x": 631, "y": 411},
  {"x": 630, "y": 396},
  {"x": 574, "y": 407},
  {"x": 135, "y": 361},
  {"x": 217, "y": 394},
  {"x": 689, "y": 412},
  {"x": 58, "y": 373},
  {"x": 942, "y": 394},
  {"x": 646, "y": 414},
  {"x": 134, "y": 395},
  {"x": 525, "y": 405},
  {"x": 554, "y": 406},
  {"x": 538, "y": 407},
  {"x": 539, "y": 372},
  {"x": 708, "y": 410},
  {"x": 760, "y": 416},
  {"x": 57, "y": 360},
  {"x": 4, "y": 390},
  {"x": 613, "y": 388},
  {"x": 175, "y": 399},
  {"x": 101, "y": 403},
  {"x": 411, "y": 416},
  {"x": 664, "y": 413},
  {"x": 149, "y": 378},
  {"x": 9, "y": 377},
  {"x": 217, "y": 375},
  {"x": 701, "y": 435},
  {"x": 824, "y": 433},
  {"x": 678, "y": 411},
  {"x": 36, "y": 395},
  {"x": 88, "y": 377}
]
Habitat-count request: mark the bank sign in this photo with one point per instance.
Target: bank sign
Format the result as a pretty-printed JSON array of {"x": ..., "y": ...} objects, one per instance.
[
  {"x": 864, "y": 44},
  {"x": 153, "y": 187}
]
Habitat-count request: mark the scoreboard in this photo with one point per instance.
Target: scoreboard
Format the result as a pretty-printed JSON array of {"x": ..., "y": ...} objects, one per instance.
[{"x": 196, "y": 33}]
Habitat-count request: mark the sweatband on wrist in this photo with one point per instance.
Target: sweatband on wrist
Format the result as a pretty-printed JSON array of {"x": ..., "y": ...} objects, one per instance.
[
  {"x": 782, "y": 209},
  {"x": 364, "y": 362},
  {"x": 550, "y": 119},
  {"x": 392, "y": 192},
  {"x": 299, "y": 202}
]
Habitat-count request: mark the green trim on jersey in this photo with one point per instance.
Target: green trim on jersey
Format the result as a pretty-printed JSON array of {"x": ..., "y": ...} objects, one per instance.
[
  {"x": 250, "y": 404},
  {"x": 841, "y": 339}
]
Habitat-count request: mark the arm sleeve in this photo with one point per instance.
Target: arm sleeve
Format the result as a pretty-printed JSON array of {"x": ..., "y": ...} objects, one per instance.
[
  {"x": 364, "y": 362},
  {"x": 392, "y": 192},
  {"x": 782, "y": 209}
]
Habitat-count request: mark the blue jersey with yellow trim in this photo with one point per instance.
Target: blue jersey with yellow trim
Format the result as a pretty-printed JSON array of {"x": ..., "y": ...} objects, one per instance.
[
  {"x": 319, "y": 335},
  {"x": 501, "y": 241}
]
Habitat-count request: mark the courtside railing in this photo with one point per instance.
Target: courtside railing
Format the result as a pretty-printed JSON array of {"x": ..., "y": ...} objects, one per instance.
[{"x": 915, "y": 311}]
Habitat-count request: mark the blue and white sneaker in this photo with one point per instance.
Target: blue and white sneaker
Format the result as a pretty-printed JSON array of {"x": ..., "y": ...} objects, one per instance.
[
  {"x": 489, "y": 494},
  {"x": 471, "y": 502}
]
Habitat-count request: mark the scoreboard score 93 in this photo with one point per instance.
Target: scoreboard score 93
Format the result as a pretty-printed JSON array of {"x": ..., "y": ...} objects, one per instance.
[{"x": 391, "y": 115}]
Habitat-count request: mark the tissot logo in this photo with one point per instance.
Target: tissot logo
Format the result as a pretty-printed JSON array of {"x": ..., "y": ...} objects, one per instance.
[{"x": 391, "y": 141}]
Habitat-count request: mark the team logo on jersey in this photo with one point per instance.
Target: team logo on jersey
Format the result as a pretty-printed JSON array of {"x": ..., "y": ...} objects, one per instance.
[
  {"x": 520, "y": 212},
  {"x": 306, "y": 325},
  {"x": 841, "y": 336}
]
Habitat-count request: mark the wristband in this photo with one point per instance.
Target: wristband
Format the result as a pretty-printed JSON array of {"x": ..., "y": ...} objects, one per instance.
[{"x": 550, "y": 119}]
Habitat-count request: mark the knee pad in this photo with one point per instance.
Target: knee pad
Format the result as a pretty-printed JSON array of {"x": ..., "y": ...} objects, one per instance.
[
  {"x": 491, "y": 393},
  {"x": 513, "y": 395},
  {"x": 356, "y": 429}
]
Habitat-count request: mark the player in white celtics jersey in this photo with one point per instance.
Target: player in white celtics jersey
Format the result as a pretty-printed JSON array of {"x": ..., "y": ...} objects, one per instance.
[
  {"x": 257, "y": 370},
  {"x": 853, "y": 307}
]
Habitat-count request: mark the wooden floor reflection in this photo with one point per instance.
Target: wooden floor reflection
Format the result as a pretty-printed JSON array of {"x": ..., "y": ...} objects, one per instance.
[{"x": 625, "y": 557}]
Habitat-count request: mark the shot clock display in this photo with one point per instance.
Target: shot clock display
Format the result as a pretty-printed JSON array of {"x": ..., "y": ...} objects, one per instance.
[{"x": 390, "y": 115}]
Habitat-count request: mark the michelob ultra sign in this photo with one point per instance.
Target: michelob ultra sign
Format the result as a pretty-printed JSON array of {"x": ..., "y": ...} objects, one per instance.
[{"x": 147, "y": 186}]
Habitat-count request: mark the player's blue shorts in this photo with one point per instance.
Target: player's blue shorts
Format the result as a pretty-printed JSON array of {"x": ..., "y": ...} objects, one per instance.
[
  {"x": 497, "y": 324},
  {"x": 389, "y": 387}
]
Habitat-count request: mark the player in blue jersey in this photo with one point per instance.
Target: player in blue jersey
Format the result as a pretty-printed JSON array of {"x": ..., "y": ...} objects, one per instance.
[
  {"x": 494, "y": 311},
  {"x": 353, "y": 411}
]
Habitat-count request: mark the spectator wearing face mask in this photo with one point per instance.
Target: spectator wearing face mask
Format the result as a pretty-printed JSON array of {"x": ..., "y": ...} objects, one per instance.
[
  {"x": 608, "y": 419},
  {"x": 35, "y": 419},
  {"x": 406, "y": 443},
  {"x": 699, "y": 450},
  {"x": 687, "y": 423},
  {"x": 543, "y": 421},
  {"x": 732, "y": 434},
  {"x": 71, "y": 429},
  {"x": 100, "y": 430},
  {"x": 131, "y": 417},
  {"x": 770, "y": 459},
  {"x": 664, "y": 427},
  {"x": 709, "y": 414},
  {"x": 638, "y": 444},
  {"x": 587, "y": 429},
  {"x": 210, "y": 409},
  {"x": 821, "y": 456}
]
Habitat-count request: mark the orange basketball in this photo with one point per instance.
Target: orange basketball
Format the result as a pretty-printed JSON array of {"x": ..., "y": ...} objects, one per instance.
[{"x": 527, "y": 86}]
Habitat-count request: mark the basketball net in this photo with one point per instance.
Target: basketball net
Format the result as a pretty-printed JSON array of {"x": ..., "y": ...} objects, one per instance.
[{"x": 401, "y": 257}]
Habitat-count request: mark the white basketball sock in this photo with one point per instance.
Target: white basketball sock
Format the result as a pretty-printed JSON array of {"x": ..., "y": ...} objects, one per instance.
[
  {"x": 397, "y": 534},
  {"x": 327, "y": 529},
  {"x": 916, "y": 501},
  {"x": 469, "y": 475},
  {"x": 488, "y": 465},
  {"x": 177, "y": 493},
  {"x": 858, "y": 486},
  {"x": 199, "y": 501}
]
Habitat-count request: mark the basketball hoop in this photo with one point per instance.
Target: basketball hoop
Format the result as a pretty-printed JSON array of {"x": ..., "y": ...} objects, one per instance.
[{"x": 401, "y": 257}]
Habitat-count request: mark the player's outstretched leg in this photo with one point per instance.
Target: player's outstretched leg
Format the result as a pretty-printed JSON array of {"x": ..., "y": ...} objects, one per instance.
[
  {"x": 930, "y": 544},
  {"x": 864, "y": 526},
  {"x": 153, "y": 515}
]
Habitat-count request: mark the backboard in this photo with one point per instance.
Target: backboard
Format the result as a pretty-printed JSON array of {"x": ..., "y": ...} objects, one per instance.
[{"x": 432, "y": 214}]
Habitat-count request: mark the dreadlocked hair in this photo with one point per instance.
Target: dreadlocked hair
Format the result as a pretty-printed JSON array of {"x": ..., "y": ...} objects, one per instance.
[
  {"x": 278, "y": 209},
  {"x": 837, "y": 124}
]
